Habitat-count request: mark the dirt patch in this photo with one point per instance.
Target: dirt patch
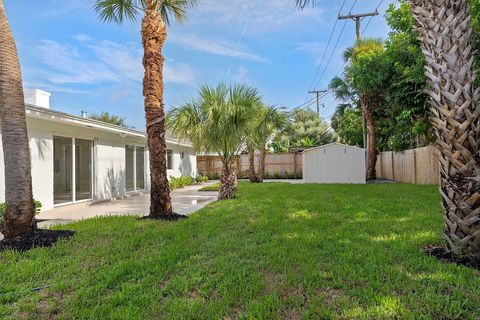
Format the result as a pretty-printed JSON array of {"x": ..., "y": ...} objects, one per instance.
[
  {"x": 35, "y": 238},
  {"x": 165, "y": 217},
  {"x": 442, "y": 254},
  {"x": 331, "y": 295}
]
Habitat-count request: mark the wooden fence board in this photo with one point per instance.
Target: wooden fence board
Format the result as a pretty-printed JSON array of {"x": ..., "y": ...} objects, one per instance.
[
  {"x": 275, "y": 164},
  {"x": 419, "y": 166}
]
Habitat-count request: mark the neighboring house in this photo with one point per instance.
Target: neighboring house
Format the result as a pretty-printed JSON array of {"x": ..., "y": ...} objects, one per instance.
[{"x": 76, "y": 159}]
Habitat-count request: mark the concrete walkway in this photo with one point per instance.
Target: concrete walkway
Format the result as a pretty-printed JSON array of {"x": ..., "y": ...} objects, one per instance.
[{"x": 185, "y": 201}]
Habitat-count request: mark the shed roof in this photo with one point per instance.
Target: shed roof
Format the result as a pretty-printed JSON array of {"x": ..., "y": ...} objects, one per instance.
[{"x": 332, "y": 144}]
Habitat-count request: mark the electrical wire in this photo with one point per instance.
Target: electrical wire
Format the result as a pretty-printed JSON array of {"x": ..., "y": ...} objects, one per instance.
[
  {"x": 370, "y": 20},
  {"x": 328, "y": 46}
]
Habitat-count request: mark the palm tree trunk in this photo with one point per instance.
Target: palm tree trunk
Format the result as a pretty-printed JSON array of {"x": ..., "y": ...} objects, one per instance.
[
  {"x": 228, "y": 182},
  {"x": 372, "y": 140},
  {"x": 261, "y": 167},
  {"x": 154, "y": 34},
  {"x": 251, "y": 164},
  {"x": 444, "y": 31},
  {"x": 19, "y": 216}
]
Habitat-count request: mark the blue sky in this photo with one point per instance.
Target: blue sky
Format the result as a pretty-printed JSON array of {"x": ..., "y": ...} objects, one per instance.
[{"x": 92, "y": 66}]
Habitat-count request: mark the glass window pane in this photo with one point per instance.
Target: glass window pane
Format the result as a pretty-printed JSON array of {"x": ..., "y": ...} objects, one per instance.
[
  {"x": 129, "y": 183},
  {"x": 140, "y": 166},
  {"x": 169, "y": 159},
  {"x": 83, "y": 169},
  {"x": 62, "y": 168}
]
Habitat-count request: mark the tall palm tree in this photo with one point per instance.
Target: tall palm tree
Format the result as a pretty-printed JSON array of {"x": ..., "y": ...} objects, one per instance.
[
  {"x": 268, "y": 120},
  {"x": 19, "y": 217},
  {"x": 156, "y": 17},
  {"x": 444, "y": 30},
  {"x": 218, "y": 122},
  {"x": 367, "y": 59}
]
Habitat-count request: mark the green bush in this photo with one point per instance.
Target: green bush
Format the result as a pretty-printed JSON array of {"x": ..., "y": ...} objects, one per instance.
[
  {"x": 181, "y": 182},
  {"x": 200, "y": 179},
  {"x": 214, "y": 176}
]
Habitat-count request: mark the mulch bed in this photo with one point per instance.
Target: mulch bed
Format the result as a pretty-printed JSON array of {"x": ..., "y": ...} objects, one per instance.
[
  {"x": 35, "y": 238},
  {"x": 165, "y": 217},
  {"x": 447, "y": 256}
]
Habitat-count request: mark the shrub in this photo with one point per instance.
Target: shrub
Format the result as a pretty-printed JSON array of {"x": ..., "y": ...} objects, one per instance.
[
  {"x": 213, "y": 176},
  {"x": 200, "y": 179},
  {"x": 181, "y": 182}
]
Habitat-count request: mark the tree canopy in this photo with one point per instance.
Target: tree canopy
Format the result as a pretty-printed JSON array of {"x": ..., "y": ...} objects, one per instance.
[
  {"x": 303, "y": 129},
  {"x": 107, "y": 117}
]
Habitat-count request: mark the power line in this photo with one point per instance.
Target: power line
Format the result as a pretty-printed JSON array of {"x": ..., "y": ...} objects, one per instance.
[
  {"x": 335, "y": 47},
  {"x": 328, "y": 45},
  {"x": 370, "y": 20}
]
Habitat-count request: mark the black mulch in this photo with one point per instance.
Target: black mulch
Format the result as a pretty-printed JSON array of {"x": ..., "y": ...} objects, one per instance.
[
  {"x": 165, "y": 217},
  {"x": 35, "y": 238},
  {"x": 447, "y": 256}
]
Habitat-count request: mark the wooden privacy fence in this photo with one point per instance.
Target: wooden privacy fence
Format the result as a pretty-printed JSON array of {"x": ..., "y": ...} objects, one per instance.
[
  {"x": 278, "y": 165},
  {"x": 417, "y": 166}
]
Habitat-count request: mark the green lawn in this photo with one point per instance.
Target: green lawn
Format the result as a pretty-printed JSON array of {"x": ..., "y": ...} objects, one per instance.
[{"x": 279, "y": 251}]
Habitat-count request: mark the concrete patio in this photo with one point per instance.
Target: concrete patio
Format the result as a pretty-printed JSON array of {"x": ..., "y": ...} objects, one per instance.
[{"x": 185, "y": 201}]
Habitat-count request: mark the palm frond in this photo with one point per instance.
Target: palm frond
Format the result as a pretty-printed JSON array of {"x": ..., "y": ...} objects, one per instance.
[
  {"x": 304, "y": 3},
  {"x": 118, "y": 11},
  {"x": 176, "y": 8}
]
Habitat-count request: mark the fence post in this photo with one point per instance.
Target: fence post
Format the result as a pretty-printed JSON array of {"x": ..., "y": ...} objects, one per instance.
[
  {"x": 393, "y": 165},
  {"x": 294, "y": 162},
  {"x": 414, "y": 166}
]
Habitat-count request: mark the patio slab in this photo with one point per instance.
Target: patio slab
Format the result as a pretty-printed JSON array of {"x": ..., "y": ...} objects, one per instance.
[{"x": 185, "y": 201}]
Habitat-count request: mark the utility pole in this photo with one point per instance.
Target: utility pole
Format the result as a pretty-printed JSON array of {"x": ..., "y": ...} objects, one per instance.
[
  {"x": 358, "y": 20},
  {"x": 318, "y": 92}
]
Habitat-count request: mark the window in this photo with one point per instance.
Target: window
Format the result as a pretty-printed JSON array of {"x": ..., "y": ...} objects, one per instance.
[
  {"x": 169, "y": 159},
  {"x": 182, "y": 155},
  {"x": 129, "y": 168},
  {"x": 140, "y": 168}
]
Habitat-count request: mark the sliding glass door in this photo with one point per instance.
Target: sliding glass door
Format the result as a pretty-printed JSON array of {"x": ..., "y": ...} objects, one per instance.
[
  {"x": 83, "y": 169},
  {"x": 140, "y": 168},
  {"x": 134, "y": 168},
  {"x": 62, "y": 170},
  {"x": 129, "y": 168},
  {"x": 72, "y": 167}
]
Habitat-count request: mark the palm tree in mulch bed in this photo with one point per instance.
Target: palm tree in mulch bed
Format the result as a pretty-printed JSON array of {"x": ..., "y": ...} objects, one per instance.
[
  {"x": 156, "y": 16},
  {"x": 18, "y": 226}
]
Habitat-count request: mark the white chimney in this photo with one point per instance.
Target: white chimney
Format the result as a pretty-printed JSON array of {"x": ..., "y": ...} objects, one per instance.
[{"x": 37, "y": 97}]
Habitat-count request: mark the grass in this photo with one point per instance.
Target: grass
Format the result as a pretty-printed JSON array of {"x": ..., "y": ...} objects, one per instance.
[
  {"x": 212, "y": 187},
  {"x": 278, "y": 251}
]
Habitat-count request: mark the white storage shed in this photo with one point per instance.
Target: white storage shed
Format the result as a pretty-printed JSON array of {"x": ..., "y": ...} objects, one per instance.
[{"x": 334, "y": 163}]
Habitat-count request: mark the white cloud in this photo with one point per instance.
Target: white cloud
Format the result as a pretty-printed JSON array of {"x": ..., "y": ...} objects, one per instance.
[
  {"x": 259, "y": 16},
  {"x": 93, "y": 62},
  {"x": 217, "y": 47}
]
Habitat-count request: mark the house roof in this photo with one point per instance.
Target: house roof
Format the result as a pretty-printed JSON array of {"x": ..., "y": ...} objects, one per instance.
[
  {"x": 66, "y": 118},
  {"x": 332, "y": 144}
]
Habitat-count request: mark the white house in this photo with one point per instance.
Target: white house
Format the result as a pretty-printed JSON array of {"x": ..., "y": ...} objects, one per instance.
[
  {"x": 77, "y": 159},
  {"x": 334, "y": 163}
]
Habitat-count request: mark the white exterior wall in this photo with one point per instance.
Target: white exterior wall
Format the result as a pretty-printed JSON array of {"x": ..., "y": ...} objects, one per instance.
[
  {"x": 334, "y": 163},
  {"x": 108, "y": 159}
]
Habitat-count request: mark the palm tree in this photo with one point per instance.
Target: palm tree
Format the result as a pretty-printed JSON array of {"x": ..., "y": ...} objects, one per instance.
[
  {"x": 268, "y": 120},
  {"x": 156, "y": 17},
  {"x": 444, "y": 30},
  {"x": 218, "y": 122},
  {"x": 19, "y": 216},
  {"x": 367, "y": 59}
]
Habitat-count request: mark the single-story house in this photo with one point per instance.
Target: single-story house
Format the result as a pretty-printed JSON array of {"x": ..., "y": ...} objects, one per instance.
[
  {"x": 334, "y": 163},
  {"x": 77, "y": 159}
]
